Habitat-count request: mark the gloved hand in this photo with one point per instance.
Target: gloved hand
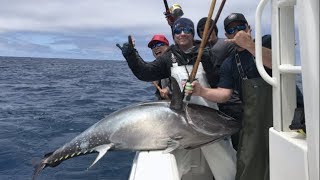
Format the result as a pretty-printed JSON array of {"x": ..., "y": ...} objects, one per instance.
[
  {"x": 127, "y": 49},
  {"x": 189, "y": 87}
]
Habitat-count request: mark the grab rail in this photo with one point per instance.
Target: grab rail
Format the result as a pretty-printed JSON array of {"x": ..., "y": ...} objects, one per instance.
[
  {"x": 284, "y": 68},
  {"x": 288, "y": 68},
  {"x": 258, "y": 44},
  {"x": 283, "y": 59}
]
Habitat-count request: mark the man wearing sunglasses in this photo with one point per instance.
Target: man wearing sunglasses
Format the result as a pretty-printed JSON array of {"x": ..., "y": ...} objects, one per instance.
[
  {"x": 239, "y": 72},
  {"x": 177, "y": 62},
  {"x": 158, "y": 45},
  {"x": 219, "y": 51}
]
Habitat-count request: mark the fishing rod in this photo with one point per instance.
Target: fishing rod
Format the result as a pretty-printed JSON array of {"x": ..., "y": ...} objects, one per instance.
[
  {"x": 168, "y": 14},
  {"x": 203, "y": 43},
  {"x": 156, "y": 85},
  {"x": 200, "y": 51},
  {"x": 219, "y": 11},
  {"x": 215, "y": 19}
]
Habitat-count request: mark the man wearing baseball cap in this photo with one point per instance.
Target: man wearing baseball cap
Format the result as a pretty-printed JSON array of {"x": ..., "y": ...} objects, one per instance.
[
  {"x": 234, "y": 17},
  {"x": 159, "y": 44},
  {"x": 220, "y": 50},
  {"x": 239, "y": 72}
]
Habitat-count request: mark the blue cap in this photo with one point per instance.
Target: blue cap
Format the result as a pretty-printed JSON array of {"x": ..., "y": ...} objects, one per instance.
[{"x": 183, "y": 22}]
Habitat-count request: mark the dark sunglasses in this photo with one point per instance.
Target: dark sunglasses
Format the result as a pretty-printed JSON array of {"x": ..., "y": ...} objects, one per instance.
[
  {"x": 186, "y": 30},
  {"x": 232, "y": 30},
  {"x": 158, "y": 44}
]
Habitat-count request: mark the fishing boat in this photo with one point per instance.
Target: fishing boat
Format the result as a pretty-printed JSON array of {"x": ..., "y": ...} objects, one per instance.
[{"x": 293, "y": 155}]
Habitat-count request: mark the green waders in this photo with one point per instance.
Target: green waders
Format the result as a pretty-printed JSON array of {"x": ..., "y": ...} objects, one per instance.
[{"x": 253, "y": 149}]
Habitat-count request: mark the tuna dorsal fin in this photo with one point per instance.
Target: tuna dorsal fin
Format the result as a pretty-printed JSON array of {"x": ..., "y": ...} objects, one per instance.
[
  {"x": 177, "y": 95},
  {"x": 102, "y": 151}
]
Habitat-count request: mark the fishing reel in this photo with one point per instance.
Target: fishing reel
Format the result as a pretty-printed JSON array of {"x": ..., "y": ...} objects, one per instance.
[
  {"x": 172, "y": 13},
  {"x": 176, "y": 11}
]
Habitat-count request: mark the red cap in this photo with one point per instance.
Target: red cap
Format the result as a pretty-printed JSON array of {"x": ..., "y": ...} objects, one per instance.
[{"x": 158, "y": 37}]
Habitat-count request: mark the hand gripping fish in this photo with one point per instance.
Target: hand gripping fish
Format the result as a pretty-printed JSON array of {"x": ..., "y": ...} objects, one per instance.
[{"x": 159, "y": 125}]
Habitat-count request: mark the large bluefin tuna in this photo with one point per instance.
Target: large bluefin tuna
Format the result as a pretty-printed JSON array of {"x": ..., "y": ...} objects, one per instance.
[{"x": 147, "y": 126}]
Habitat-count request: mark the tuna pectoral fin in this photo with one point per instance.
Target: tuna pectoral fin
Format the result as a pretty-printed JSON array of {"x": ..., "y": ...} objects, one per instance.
[{"x": 102, "y": 151}]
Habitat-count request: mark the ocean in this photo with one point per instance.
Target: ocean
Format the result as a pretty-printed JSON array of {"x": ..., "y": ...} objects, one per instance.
[{"x": 44, "y": 103}]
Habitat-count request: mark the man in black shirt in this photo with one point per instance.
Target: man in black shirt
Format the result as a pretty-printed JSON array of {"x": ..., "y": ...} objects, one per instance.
[
  {"x": 220, "y": 50},
  {"x": 239, "y": 73},
  {"x": 158, "y": 45}
]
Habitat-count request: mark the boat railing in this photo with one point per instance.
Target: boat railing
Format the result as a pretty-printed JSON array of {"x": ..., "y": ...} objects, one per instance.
[
  {"x": 284, "y": 69},
  {"x": 292, "y": 155}
]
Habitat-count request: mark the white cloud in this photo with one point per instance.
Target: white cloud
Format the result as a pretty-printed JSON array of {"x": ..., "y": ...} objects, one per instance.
[{"x": 104, "y": 21}]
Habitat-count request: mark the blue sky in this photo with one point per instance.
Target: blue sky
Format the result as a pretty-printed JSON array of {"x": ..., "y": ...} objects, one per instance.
[{"x": 89, "y": 29}]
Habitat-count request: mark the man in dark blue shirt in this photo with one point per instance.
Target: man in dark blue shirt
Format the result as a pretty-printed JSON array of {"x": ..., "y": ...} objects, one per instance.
[
  {"x": 239, "y": 73},
  {"x": 248, "y": 65}
]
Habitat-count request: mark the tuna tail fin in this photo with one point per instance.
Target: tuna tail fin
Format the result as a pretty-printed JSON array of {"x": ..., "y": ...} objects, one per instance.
[
  {"x": 177, "y": 95},
  {"x": 38, "y": 168}
]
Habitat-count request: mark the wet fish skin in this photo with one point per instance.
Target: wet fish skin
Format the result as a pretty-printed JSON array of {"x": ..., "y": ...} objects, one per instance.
[{"x": 146, "y": 126}]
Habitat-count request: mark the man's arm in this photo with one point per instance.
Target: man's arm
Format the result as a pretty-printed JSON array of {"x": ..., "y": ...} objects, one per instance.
[
  {"x": 219, "y": 95},
  {"x": 266, "y": 54},
  {"x": 244, "y": 40},
  {"x": 146, "y": 71}
]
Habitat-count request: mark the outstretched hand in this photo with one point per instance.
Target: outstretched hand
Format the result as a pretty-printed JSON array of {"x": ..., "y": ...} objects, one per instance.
[
  {"x": 242, "y": 39},
  {"x": 128, "y": 47}
]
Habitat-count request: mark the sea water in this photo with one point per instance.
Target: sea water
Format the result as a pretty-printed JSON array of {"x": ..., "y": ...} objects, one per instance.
[{"x": 44, "y": 103}]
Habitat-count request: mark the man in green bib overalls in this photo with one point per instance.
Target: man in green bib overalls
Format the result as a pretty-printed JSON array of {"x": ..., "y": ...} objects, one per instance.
[{"x": 239, "y": 73}]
